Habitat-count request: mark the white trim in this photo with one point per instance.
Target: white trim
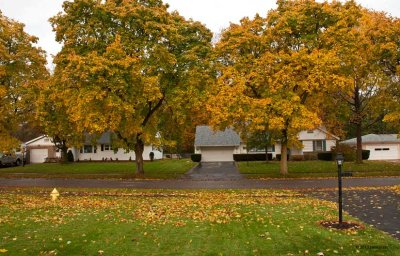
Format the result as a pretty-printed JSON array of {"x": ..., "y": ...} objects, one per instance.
[
  {"x": 36, "y": 139},
  {"x": 326, "y": 132}
]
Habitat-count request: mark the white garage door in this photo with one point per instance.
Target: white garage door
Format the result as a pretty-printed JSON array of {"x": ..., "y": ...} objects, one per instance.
[
  {"x": 383, "y": 152},
  {"x": 217, "y": 154},
  {"x": 38, "y": 155}
]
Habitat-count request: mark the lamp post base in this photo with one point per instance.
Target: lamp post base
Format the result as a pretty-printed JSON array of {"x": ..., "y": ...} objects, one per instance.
[{"x": 341, "y": 226}]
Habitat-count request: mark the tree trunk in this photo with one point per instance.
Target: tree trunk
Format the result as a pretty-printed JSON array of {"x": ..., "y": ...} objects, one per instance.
[
  {"x": 139, "y": 148},
  {"x": 359, "y": 144},
  {"x": 358, "y": 122},
  {"x": 62, "y": 145},
  {"x": 64, "y": 154},
  {"x": 283, "y": 166}
]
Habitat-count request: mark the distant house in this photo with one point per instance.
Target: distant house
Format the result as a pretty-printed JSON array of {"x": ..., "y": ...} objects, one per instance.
[
  {"x": 219, "y": 146},
  {"x": 216, "y": 146},
  {"x": 42, "y": 149},
  {"x": 381, "y": 146}
]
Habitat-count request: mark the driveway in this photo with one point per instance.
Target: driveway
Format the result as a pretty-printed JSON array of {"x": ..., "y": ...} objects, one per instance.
[
  {"x": 214, "y": 171},
  {"x": 379, "y": 208}
]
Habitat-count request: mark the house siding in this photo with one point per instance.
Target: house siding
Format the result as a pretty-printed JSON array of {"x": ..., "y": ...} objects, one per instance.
[
  {"x": 120, "y": 154},
  {"x": 308, "y": 146},
  {"x": 307, "y": 139},
  {"x": 45, "y": 142}
]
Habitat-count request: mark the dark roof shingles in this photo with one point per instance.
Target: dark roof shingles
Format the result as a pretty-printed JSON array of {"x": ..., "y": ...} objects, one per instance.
[{"x": 205, "y": 136}]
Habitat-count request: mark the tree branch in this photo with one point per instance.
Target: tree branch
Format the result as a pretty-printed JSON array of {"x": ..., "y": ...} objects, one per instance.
[{"x": 152, "y": 110}]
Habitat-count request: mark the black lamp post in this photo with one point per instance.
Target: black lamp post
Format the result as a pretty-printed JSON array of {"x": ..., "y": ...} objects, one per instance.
[{"x": 339, "y": 162}]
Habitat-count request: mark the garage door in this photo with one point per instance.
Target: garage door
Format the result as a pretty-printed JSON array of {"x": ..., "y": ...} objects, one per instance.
[
  {"x": 217, "y": 154},
  {"x": 38, "y": 155},
  {"x": 383, "y": 152}
]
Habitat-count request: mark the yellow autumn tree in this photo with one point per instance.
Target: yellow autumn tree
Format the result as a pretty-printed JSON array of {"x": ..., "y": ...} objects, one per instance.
[
  {"x": 22, "y": 71},
  {"x": 274, "y": 72},
  {"x": 367, "y": 44},
  {"x": 393, "y": 68},
  {"x": 51, "y": 116},
  {"x": 123, "y": 63}
]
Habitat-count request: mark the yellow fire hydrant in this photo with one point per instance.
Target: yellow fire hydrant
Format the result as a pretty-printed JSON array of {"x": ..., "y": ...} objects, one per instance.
[{"x": 54, "y": 194}]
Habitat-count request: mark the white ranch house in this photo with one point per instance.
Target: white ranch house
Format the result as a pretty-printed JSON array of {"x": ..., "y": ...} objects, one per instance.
[
  {"x": 42, "y": 149},
  {"x": 380, "y": 146},
  {"x": 220, "y": 146}
]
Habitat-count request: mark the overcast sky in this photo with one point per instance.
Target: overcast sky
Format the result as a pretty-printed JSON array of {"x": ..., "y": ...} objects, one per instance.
[{"x": 215, "y": 14}]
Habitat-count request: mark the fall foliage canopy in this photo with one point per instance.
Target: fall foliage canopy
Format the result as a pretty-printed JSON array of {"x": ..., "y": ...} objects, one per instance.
[
  {"x": 123, "y": 63},
  {"x": 22, "y": 72}
]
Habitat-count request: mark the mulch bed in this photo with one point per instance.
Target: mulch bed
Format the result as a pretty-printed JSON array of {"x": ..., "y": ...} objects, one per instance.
[{"x": 341, "y": 226}]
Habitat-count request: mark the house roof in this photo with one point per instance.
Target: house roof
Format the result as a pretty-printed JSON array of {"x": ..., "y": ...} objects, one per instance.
[
  {"x": 35, "y": 139},
  {"x": 323, "y": 129},
  {"x": 375, "y": 138},
  {"x": 205, "y": 136},
  {"x": 105, "y": 138}
]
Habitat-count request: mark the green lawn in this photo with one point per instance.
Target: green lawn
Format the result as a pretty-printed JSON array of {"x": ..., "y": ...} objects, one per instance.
[
  {"x": 160, "y": 169},
  {"x": 132, "y": 222},
  {"x": 305, "y": 169}
]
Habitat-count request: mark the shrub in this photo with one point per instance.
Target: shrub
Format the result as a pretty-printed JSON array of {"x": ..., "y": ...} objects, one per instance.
[
  {"x": 310, "y": 156},
  {"x": 70, "y": 156},
  {"x": 278, "y": 157},
  {"x": 325, "y": 156},
  {"x": 365, "y": 154},
  {"x": 151, "y": 155},
  {"x": 196, "y": 158},
  {"x": 297, "y": 158},
  {"x": 349, "y": 152},
  {"x": 251, "y": 157}
]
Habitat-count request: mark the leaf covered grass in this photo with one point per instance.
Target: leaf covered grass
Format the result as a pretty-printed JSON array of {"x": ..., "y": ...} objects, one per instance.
[
  {"x": 306, "y": 169},
  {"x": 132, "y": 222},
  {"x": 159, "y": 169}
]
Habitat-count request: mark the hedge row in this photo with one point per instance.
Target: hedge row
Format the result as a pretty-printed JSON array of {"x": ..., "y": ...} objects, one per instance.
[
  {"x": 324, "y": 156},
  {"x": 278, "y": 157},
  {"x": 348, "y": 156},
  {"x": 251, "y": 157}
]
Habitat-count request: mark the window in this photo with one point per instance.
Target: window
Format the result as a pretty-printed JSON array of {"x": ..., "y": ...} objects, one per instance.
[
  {"x": 87, "y": 149},
  {"x": 270, "y": 149},
  {"x": 380, "y": 149},
  {"x": 310, "y": 131},
  {"x": 105, "y": 147},
  {"x": 46, "y": 140},
  {"x": 319, "y": 145}
]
